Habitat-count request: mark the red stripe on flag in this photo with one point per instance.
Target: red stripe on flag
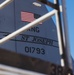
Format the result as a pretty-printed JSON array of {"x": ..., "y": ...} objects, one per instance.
[{"x": 26, "y": 16}]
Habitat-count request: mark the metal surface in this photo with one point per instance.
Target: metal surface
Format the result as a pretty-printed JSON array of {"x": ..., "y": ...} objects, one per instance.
[{"x": 41, "y": 38}]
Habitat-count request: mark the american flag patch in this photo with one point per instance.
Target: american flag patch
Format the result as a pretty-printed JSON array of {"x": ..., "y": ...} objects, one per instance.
[
  {"x": 29, "y": 17},
  {"x": 26, "y": 16}
]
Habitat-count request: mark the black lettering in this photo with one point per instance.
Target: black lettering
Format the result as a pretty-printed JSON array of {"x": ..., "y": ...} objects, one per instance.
[
  {"x": 43, "y": 41},
  {"x": 26, "y": 49},
  {"x": 42, "y": 51},
  {"x": 33, "y": 49},
  {"x": 49, "y": 42},
  {"x": 34, "y": 39},
  {"x": 24, "y": 38},
  {"x": 37, "y": 29},
  {"x": 53, "y": 69},
  {"x": 59, "y": 70},
  {"x": 34, "y": 29},
  {"x": 38, "y": 50},
  {"x": 40, "y": 40}
]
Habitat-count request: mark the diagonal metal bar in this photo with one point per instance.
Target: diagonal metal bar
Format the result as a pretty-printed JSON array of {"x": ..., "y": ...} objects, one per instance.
[{"x": 5, "y": 3}]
